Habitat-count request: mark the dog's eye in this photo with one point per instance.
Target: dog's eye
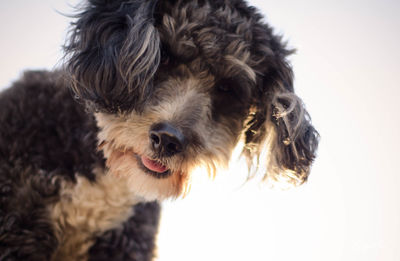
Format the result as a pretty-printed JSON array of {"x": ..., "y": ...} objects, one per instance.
[
  {"x": 224, "y": 86},
  {"x": 164, "y": 56},
  {"x": 164, "y": 60},
  {"x": 233, "y": 88}
]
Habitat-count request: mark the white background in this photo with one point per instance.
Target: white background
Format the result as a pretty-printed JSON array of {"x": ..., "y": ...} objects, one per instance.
[{"x": 347, "y": 66}]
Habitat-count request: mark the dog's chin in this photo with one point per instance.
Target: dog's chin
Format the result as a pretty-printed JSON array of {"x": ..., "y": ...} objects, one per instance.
[{"x": 146, "y": 177}]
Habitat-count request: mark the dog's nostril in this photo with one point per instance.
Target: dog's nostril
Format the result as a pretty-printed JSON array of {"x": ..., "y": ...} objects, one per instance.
[
  {"x": 154, "y": 138},
  {"x": 173, "y": 146},
  {"x": 166, "y": 139}
]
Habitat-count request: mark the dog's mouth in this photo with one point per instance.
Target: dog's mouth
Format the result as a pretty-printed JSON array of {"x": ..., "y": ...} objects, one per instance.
[{"x": 153, "y": 167}]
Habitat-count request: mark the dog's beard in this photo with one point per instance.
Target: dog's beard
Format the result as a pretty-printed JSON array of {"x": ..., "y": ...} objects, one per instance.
[
  {"x": 150, "y": 177},
  {"x": 129, "y": 158},
  {"x": 145, "y": 182}
]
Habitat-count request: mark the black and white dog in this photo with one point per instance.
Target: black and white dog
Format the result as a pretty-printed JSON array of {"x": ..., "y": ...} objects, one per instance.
[{"x": 149, "y": 90}]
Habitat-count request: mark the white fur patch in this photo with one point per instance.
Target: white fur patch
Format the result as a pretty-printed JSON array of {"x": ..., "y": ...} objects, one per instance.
[{"x": 87, "y": 209}]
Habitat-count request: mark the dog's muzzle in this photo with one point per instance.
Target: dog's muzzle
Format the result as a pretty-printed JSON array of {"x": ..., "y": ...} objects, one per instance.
[{"x": 166, "y": 140}]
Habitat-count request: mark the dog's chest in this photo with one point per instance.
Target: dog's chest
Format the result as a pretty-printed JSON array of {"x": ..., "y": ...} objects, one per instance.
[{"x": 88, "y": 209}]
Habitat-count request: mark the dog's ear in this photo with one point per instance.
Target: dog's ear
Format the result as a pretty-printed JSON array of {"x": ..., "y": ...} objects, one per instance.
[
  {"x": 279, "y": 131},
  {"x": 112, "y": 53}
]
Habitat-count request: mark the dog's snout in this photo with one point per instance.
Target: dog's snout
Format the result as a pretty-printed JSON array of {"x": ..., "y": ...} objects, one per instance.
[{"x": 166, "y": 139}]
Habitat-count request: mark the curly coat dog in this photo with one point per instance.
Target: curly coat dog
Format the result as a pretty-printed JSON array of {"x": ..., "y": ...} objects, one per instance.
[{"x": 150, "y": 90}]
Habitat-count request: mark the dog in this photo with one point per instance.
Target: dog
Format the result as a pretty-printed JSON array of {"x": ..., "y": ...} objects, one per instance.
[{"x": 148, "y": 91}]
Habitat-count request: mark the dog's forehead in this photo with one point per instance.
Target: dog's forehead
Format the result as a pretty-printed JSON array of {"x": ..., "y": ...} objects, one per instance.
[{"x": 219, "y": 35}]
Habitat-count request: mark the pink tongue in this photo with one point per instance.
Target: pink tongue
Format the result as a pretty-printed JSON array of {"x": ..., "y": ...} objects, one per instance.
[{"x": 153, "y": 165}]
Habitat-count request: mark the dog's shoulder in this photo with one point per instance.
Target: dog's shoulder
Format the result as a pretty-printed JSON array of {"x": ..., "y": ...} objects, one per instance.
[
  {"x": 43, "y": 126},
  {"x": 33, "y": 88}
]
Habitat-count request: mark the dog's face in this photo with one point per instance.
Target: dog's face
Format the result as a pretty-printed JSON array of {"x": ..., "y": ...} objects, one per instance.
[{"x": 176, "y": 84}]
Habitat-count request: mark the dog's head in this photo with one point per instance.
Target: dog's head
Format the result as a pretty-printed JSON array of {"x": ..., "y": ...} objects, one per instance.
[{"x": 178, "y": 83}]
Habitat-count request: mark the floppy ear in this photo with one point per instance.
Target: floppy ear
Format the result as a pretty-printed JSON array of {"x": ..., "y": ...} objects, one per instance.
[
  {"x": 112, "y": 53},
  {"x": 279, "y": 132}
]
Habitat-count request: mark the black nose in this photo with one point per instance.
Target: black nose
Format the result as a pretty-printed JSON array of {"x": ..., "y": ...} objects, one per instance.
[{"x": 166, "y": 139}]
